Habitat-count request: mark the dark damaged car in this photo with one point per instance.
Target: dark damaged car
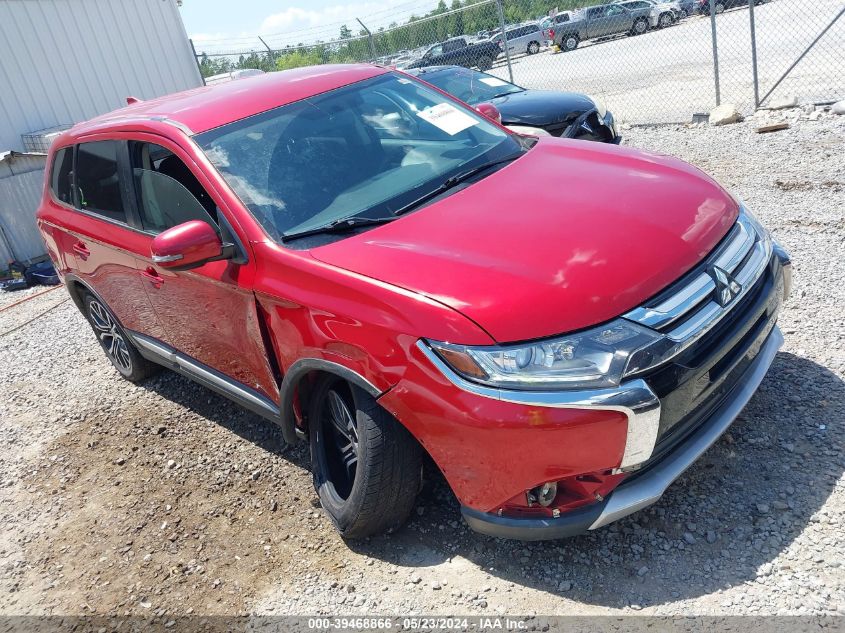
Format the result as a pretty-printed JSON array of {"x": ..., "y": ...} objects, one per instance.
[{"x": 536, "y": 112}]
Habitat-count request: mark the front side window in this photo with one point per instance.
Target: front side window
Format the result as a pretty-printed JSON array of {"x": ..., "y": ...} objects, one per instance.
[
  {"x": 470, "y": 86},
  {"x": 97, "y": 180},
  {"x": 367, "y": 149},
  {"x": 62, "y": 174},
  {"x": 168, "y": 192}
]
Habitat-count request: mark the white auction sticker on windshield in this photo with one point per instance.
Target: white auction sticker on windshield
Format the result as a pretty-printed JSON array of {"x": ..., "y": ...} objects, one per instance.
[
  {"x": 492, "y": 81},
  {"x": 447, "y": 117}
]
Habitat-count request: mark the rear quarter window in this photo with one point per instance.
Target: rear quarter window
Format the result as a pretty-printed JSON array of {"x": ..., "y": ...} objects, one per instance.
[{"x": 61, "y": 175}]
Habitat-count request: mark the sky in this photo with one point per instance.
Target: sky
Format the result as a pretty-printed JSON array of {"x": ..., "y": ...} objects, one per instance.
[{"x": 216, "y": 25}]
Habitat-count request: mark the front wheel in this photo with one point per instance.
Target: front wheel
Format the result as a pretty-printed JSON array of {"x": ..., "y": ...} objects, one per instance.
[
  {"x": 367, "y": 467},
  {"x": 664, "y": 20},
  {"x": 719, "y": 8},
  {"x": 533, "y": 48},
  {"x": 640, "y": 27}
]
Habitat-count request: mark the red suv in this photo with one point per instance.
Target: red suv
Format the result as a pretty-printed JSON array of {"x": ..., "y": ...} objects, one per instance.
[{"x": 381, "y": 270}]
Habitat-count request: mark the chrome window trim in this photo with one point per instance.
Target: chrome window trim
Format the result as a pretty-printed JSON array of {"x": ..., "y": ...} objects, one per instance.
[{"x": 634, "y": 399}]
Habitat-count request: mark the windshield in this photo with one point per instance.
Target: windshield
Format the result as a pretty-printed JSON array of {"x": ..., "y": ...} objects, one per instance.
[
  {"x": 470, "y": 86},
  {"x": 366, "y": 149}
]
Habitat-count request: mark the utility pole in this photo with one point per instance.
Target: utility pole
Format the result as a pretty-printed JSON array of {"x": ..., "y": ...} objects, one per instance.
[
  {"x": 370, "y": 39},
  {"x": 715, "y": 50},
  {"x": 504, "y": 37}
]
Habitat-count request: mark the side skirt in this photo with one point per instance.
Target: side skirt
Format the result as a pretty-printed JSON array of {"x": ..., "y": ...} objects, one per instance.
[{"x": 158, "y": 352}]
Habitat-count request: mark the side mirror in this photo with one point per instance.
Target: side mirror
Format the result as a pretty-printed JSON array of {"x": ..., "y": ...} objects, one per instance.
[
  {"x": 490, "y": 111},
  {"x": 186, "y": 246}
]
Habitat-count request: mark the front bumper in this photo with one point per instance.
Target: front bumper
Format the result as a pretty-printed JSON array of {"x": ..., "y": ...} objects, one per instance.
[
  {"x": 589, "y": 126},
  {"x": 644, "y": 488}
]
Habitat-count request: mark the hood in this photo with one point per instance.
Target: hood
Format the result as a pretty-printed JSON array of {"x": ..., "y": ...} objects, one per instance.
[
  {"x": 542, "y": 108},
  {"x": 567, "y": 236}
]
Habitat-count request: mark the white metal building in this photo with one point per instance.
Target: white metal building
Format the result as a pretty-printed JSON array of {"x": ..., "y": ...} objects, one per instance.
[{"x": 64, "y": 61}]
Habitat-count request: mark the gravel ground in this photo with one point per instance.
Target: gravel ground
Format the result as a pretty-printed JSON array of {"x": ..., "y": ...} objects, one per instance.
[{"x": 165, "y": 499}]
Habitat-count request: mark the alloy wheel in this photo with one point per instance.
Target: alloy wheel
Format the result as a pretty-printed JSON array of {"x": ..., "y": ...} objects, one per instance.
[
  {"x": 340, "y": 430},
  {"x": 111, "y": 338}
]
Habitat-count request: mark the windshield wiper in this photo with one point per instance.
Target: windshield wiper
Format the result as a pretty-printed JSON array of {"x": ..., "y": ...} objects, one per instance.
[
  {"x": 338, "y": 226},
  {"x": 453, "y": 181}
]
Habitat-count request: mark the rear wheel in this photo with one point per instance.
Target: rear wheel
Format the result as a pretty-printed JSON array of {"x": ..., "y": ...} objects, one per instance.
[
  {"x": 117, "y": 346},
  {"x": 367, "y": 468},
  {"x": 569, "y": 42},
  {"x": 719, "y": 8},
  {"x": 533, "y": 48},
  {"x": 640, "y": 27}
]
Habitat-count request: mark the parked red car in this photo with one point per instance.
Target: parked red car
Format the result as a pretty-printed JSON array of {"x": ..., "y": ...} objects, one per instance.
[{"x": 376, "y": 267}]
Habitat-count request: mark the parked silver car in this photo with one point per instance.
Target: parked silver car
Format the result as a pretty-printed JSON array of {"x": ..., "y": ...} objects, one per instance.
[
  {"x": 660, "y": 14},
  {"x": 525, "y": 38}
]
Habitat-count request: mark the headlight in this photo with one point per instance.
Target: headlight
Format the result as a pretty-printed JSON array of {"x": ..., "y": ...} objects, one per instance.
[
  {"x": 589, "y": 359},
  {"x": 600, "y": 107},
  {"x": 596, "y": 358},
  {"x": 526, "y": 129}
]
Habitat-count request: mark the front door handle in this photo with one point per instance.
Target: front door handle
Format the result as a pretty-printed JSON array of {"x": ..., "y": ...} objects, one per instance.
[
  {"x": 151, "y": 275},
  {"x": 80, "y": 249}
]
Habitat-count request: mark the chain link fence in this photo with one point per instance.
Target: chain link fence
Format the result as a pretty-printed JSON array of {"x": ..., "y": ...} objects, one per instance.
[{"x": 650, "y": 61}]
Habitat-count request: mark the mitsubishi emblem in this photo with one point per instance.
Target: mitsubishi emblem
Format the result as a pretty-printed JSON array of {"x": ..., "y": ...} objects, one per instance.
[{"x": 727, "y": 288}]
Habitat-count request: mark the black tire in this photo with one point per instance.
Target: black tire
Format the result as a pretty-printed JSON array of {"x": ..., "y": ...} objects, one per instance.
[
  {"x": 533, "y": 48},
  {"x": 719, "y": 8},
  {"x": 116, "y": 345},
  {"x": 485, "y": 63},
  {"x": 640, "y": 26},
  {"x": 665, "y": 20},
  {"x": 366, "y": 476},
  {"x": 569, "y": 42}
]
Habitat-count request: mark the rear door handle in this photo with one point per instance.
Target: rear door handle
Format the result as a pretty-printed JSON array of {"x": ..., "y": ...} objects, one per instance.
[
  {"x": 80, "y": 249},
  {"x": 152, "y": 276}
]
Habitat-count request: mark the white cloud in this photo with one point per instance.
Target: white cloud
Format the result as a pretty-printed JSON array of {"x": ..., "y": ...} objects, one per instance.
[
  {"x": 325, "y": 22},
  {"x": 300, "y": 24}
]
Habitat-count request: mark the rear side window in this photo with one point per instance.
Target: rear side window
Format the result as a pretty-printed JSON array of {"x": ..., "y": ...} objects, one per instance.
[
  {"x": 97, "y": 180},
  {"x": 61, "y": 175},
  {"x": 168, "y": 192}
]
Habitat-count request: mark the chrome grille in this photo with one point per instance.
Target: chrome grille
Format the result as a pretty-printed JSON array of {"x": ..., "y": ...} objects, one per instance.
[{"x": 691, "y": 310}]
